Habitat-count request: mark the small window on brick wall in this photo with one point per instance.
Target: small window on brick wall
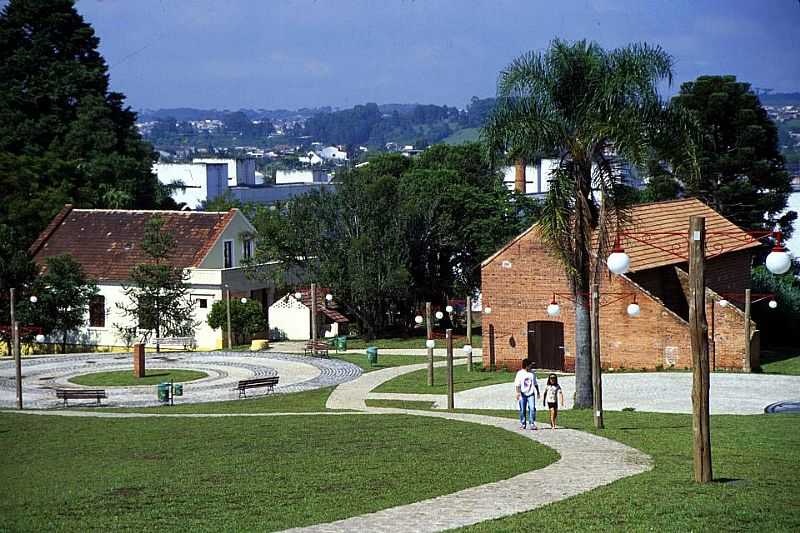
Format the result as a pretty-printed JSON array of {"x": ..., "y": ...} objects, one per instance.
[{"x": 97, "y": 312}]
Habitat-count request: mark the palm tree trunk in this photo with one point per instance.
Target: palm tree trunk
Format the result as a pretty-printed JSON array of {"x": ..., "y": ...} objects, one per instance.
[{"x": 583, "y": 351}]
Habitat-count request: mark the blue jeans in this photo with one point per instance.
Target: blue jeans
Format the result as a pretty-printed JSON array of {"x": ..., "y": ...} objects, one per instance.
[{"x": 527, "y": 403}]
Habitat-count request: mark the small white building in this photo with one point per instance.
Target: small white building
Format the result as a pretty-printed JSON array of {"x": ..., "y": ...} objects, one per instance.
[
  {"x": 283, "y": 177},
  {"x": 290, "y": 317},
  {"x": 201, "y": 181},
  {"x": 210, "y": 246},
  {"x": 241, "y": 171},
  {"x": 311, "y": 158},
  {"x": 333, "y": 153}
]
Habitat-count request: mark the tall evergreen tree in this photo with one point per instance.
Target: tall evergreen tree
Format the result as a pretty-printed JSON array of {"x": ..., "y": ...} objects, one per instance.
[{"x": 64, "y": 137}]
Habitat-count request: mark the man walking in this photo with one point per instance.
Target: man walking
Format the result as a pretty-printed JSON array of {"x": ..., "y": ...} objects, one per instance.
[{"x": 527, "y": 391}]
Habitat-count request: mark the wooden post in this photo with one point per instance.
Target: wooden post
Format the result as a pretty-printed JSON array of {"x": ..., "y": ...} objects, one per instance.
[
  {"x": 450, "y": 402},
  {"x": 429, "y": 325},
  {"x": 15, "y": 350},
  {"x": 228, "y": 310},
  {"x": 491, "y": 347},
  {"x": 314, "y": 318},
  {"x": 698, "y": 333},
  {"x": 597, "y": 388},
  {"x": 469, "y": 332},
  {"x": 748, "y": 367},
  {"x": 138, "y": 361}
]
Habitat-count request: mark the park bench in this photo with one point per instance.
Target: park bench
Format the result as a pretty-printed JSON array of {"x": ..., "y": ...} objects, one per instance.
[
  {"x": 268, "y": 382},
  {"x": 185, "y": 342},
  {"x": 80, "y": 394},
  {"x": 316, "y": 348}
]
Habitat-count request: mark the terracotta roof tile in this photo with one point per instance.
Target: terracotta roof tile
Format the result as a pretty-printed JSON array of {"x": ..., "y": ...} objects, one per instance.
[
  {"x": 330, "y": 309},
  {"x": 107, "y": 242}
]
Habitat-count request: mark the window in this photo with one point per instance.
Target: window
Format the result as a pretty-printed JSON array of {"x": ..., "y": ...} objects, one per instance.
[
  {"x": 97, "y": 312},
  {"x": 202, "y": 303},
  {"x": 227, "y": 247},
  {"x": 247, "y": 248}
]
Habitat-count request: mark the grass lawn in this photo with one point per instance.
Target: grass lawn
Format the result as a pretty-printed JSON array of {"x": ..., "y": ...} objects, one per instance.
[
  {"x": 408, "y": 342},
  {"x": 384, "y": 361},
  {"x": 756, "y": 472},
  {"x": 417, "y": 382},
  {"x": 781, "y": 361},
  {"x": 239, "y": 474},
  {"x": 295, "y": 402},
  {"x": 125, "y": 378}
]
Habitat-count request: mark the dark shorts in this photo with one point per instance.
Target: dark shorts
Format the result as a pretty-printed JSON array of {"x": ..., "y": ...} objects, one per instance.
[{"x": 552, "y": 405}]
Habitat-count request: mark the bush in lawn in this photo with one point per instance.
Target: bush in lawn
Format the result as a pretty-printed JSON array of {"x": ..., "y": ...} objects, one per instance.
[{"x": 247, "y": 319}]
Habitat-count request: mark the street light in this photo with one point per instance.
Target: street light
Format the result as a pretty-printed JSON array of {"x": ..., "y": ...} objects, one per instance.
[
  {"x": 418, "y": 319},
  {"x": 634, "y": 310},
  {"x": 439, "y": 315},
  {"x": 449, "y": 308},
  {"x": 298, "y": 295},
  {"x": 778, "y": 261},
  {"x": 772, "y": 304},
  {"x": 40, "y": 338},
  {"x": 430, "y": 343},
  {"x": 487, "y": 310},
  {"x": 723, "y": 303},
  {"x": 329, "y": 297},
  {"x": 553, "y": 308},
  {"x": 33, "y": 299},
  {"x": 618, "y": 262},
  {"x": 243, "y": 300},
  {"x": 467, "y": 349}
]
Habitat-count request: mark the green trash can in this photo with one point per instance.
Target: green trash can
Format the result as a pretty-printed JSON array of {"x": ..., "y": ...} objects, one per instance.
[
  {"x": 372, "y": 355},
  {"x": 341, "y": 343},
  {"x": 177, "y": 389},
  {"x": 163, "y": 392}
]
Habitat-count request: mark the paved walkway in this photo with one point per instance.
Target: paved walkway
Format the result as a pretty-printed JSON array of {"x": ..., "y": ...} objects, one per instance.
[
  {"x": 661, "y": 392},
  {"x": 224, "y": 369},
  {"x": 299, "y": 346}
]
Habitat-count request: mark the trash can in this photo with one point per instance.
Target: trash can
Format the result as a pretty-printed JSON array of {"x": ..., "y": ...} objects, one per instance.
[
  {"x": 372, "y": 355},
  {"x": 177, "y": 389},
  {"x": 341, "y": 343},
  {"x": 163, "y": 392}
]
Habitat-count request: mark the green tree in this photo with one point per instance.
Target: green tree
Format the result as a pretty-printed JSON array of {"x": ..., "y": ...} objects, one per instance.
[
  {"x": 158, "y": 302},
  {"x": 592, "y": 109},
  {"x": 17, "y": 271},
  {"x": 779, "y": 326},
  {"x": 64, "y": 294},
  {"x": 742, "y": 172},
  {"x": 64, "y": 137},
  {"x": 247, "y": 319}
]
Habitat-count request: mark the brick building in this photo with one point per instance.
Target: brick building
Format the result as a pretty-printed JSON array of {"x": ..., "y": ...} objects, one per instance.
[{"x": 519, "y": 281}]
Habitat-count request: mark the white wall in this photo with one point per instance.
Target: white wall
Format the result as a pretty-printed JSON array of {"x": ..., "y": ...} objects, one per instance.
[
  {"x": 241, "y": 171},
  {"x": 289, "y": 319},
  {"x": 203, "y": 181},
  {"x": 216, "y": 258}
]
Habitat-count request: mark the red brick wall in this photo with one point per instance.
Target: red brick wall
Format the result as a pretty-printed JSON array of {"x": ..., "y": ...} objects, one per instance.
[{"x": 518, "y": 284}]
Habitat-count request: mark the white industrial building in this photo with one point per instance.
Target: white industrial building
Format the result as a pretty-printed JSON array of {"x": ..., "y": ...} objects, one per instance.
[{"x": 201, "y": 181}]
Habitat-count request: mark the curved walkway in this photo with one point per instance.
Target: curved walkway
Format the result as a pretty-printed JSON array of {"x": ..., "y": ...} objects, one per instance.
[
  {"x": 609, "y": 462},
  {"x": 224, "y": 369}
]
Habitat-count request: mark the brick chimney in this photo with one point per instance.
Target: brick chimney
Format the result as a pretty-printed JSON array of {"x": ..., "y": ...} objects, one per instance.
[{"x": 519, "y": 175}]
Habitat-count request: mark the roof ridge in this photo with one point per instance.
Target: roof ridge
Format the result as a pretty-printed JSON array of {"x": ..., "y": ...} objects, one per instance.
[
  {"x": 218, "y": 230},
  {"x": 34, "y": 248}
]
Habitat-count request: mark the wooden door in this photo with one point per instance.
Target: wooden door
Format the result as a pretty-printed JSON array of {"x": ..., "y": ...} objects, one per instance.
[{"x": 546, "y": 344}]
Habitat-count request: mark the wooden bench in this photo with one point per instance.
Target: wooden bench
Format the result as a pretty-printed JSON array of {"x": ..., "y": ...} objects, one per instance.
[
  {"x": 268, "y": 382},
  {"x": 316, "y": 348},
  {"x": 80, "y": 394},
  {"x": 185, "y": 342}
]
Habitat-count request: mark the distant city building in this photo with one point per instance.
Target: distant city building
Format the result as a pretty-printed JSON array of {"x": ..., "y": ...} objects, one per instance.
[
  {"x": 534, "y": 180},
  {"x": 301, "y": 176},
  {"x": 241, "y": 171},
  {"x": 201, "y": 181}
]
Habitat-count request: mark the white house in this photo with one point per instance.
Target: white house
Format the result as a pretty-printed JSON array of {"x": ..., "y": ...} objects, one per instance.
[
  {"x": 290, "y": 316},
  {"x": 332, "y": 153},
  {"x": 301, "y": 176},
  {"x": 211, "y": 246},
  {"x": 202, "y": 181},
  {"x": 311, "y": 158}
]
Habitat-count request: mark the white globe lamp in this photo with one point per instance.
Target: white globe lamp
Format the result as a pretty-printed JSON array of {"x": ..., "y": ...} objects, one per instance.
[
  {"x": 723, "y": 303},
  {"x": 40, "y": 338},
  {"x": 553, "y": 309},
  {"x": 418, "y": 319},
  {"x": 449, "y": 308},
  {"x": 243, "y": 300},
  {"x": 439, "y": 315},
  {"x": 778, "y": 261},
  {"x": 298, "y": 295},
  {"x": 329, "y": 297},
  {"x": 467, "y": 349},
  {"x": 487, "y": 310},
  {"x": 33, "y": 299},
  {"x": 430, "y": 343},
  {"x": 634, "y": 310},
  {"x": 772, "y": 304},
  {"x": 618, "y": 262}
]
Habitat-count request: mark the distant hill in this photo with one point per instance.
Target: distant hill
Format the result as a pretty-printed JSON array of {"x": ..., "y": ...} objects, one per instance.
[{"x": 466, "y": 135}]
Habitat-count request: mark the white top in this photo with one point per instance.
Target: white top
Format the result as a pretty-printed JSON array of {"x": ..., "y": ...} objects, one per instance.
[
  {"x": 550, "y": 393},
  {"x": 526, "y": 381}
]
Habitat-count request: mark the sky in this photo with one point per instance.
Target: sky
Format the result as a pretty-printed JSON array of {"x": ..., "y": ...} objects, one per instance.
[{"x": 275, "y": 54}]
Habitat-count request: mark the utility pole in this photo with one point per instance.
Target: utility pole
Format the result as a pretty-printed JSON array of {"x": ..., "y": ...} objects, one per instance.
[
  {"x": 228, "y": 310},
  {"x": 469, "y": 332},
  {"x": 450, "y": 401},
  {"x": 491, "y": 346},
  {"x": 597, "y": 386},
  {"x": 747, "y": 363},
  {"x": 698, "y": 333},
  {"x": 314, "y": 318},
  {"x": 430, "y": 336},
  {"x": 15, "y": 349}
]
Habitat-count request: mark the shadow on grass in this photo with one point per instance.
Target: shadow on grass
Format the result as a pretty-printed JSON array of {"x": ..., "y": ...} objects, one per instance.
[{"x": 773, "y": 355}]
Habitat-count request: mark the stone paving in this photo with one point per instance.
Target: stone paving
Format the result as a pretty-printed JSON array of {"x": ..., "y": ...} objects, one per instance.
[{"x": 224, "y": 369}]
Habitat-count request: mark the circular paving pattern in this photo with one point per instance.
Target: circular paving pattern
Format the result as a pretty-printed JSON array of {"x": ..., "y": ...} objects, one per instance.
[
  {"x": 783, "y": 407},
  {"x": 297, "y": 373}
]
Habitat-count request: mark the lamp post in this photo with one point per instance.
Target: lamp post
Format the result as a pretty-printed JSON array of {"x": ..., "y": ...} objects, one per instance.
[
  {"x": 228, "y": 311},
  {"x": 469, "y": 333},
  {"x": 430, "y": 344}
]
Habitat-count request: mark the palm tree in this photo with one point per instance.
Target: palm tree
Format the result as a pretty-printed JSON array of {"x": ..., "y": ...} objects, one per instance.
[{"x": 592, "y": 110}]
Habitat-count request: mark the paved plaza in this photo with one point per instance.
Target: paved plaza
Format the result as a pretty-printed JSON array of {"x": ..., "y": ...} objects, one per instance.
[{"x": 297, "y": 373}]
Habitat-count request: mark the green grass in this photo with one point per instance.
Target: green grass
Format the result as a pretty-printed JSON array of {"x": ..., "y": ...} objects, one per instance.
[
  {"x": 296, "y": 402},
  {"x": 756, "y": 473},
  {"x": 384, "y": 361},
  {"x": 408, "y": 342},
  {"x": 400, "y": 404},
  {"x": 781, "y": 361},
  {"x": 125, "y": 378},
  {"x": 417, "y": 382},
  {"x": 239, "y": 474}
]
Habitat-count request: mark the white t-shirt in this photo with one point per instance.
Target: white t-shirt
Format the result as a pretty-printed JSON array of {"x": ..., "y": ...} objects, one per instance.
[
  {"x": 526, "y": 381},
  {"x": 550, "y": 393}
]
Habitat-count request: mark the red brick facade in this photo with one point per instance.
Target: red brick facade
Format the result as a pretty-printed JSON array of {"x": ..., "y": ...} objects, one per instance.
[{"x": 519, "y": 282}]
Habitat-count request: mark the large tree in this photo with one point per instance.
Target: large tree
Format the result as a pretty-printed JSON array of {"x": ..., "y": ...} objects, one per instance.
[
  {"x": 17, "y": 270},
  {"x": 592, "y": 110},
  {"x": 158, "y": 302},
  {"x": 64, "y": 137},
  {"x": 742, "y": 172}
]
